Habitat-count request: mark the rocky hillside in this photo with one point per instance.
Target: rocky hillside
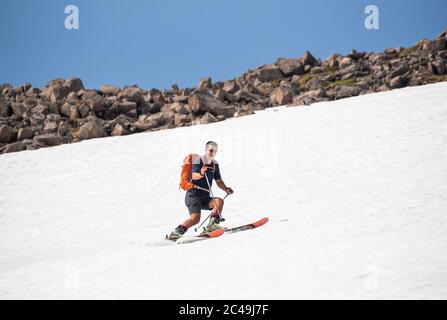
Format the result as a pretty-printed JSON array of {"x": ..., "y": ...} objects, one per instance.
[{"x": 64, "y": 111}]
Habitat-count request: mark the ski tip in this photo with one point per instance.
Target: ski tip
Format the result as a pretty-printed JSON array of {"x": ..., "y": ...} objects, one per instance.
[
  {"x": 261, "y": 222},
  {"x": 216, "y": 233}
]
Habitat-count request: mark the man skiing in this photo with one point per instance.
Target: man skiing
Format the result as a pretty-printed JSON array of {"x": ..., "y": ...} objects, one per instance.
[{"x": 198, "y": 198}]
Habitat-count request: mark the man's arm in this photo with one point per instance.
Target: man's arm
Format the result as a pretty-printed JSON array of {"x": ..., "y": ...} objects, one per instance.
[{"x": 221, "y": 185}]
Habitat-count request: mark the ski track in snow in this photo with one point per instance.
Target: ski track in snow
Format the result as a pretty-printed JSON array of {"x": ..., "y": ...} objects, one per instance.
[{"x": 362, "y": 183}]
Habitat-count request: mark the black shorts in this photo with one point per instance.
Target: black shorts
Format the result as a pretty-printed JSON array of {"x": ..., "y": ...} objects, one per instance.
[{"x": 197, "y": 202}]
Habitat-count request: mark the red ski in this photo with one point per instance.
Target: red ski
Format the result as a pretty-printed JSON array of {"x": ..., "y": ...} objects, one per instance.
[
  {"x": 249, "y": 226},
  {"x": 203, "y": 236}
]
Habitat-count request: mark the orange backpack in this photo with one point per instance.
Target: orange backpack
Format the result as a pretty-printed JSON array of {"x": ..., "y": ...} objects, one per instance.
[{"x": 185, "y": 175}]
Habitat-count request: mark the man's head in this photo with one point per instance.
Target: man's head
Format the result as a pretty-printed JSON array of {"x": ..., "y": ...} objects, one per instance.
[{"x": 210, "y": 149}]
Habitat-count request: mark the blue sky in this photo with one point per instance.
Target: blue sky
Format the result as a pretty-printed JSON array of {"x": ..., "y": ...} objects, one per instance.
[{"x": 155, "y": 43}]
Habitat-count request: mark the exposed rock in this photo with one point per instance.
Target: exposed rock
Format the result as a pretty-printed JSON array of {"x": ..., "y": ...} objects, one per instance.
[
  {"x": 313, "y": 84},
  {"x": 109, "y": 90},
  {"x": 156, "y": 120},
  {"x": 19, "y": 110},
  {"x": 94, "y": 101},
  {"x": 356, "y": 55},
  {"x": 37, "y": 119},
  {"x": 208, "y": 118},
  {"x": 91, "y": 130},
  {"x": 70, "y": 111},
  {"x": 282, "y": 96},
  {"x": 57, "y": 92},
  {"x": 398, "y": 82},
  {"x": 25, "y": 133},
  {"x": 230, "y": 86},
  {"x": 64, "y": 129},
  {"x": 127, "y": 107},
  {"x": 50, "y": 139},
  {"x": 401, "y": 70},
  {"x": 310, "y": 97},
  {"x": 40, "y": 108},
  {"x": 13, "y": 147},
  {"x": 155, "y": 96},
  {"x": 5, "y": 108},
  {"x": 205, "y": 83},
  {"x": 73, "y": 85},
  {"x": 269, "y": 72},
  {"x": 132, "y": 93},
  {"x": 309, "y": 59},
  {"x": 290, "y": 67},
  {"x": 51, "y": 123},
  {"x": 120, "y": 130},
  {"x": 181, "y": 119},
  {"x": 346, "y": 91},
  {"x": 6, "y": 134},
  {"x": 203, "y": 102}
]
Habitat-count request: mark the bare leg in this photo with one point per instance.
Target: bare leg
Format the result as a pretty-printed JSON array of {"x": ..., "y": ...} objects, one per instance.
[
  {"x": 216, "y": 209},
  {"x": 194, "y": 219}
]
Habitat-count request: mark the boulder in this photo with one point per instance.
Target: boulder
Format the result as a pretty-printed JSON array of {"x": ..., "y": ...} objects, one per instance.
[
  {"x": 14, "y": 147},
  {"x": 19, "y": 109},
  {"x": 70, "y": 111},
  {"x": 126, "y": 107},
  {"x": 310, "y": 97},
  {"x": 51, "y": 123},
  {"x": 119, "y": 130},
  {"x": 95, "y": 102},
  {"x": 109, "y": 90},
  {"x": 181, "y": 119},
  {"x": 73, "y": 85},
  {"x": 341, "y": 92},
  {"x": 5, "y": 108},
  {"x": 57, "y": 92},
  {"x": 25, "y": 133},
  {"x": 205, "y": 83},
  {"x": 203, "y": 102},
  {"x": 6, "y": 134},
  {"x": 356, "y": 55},
  {"x": 155, "y": 120},
  {"x": 308, "y": 59},
  {"x": 91, "y": 130},
  {"x": 40, "y": 108},
  {"x": 290, "y": 67},
  {"x": 207, "y": 118},
  {"x": 398, "y": 82},
  {"x": 269, "y": 72},
  {"x": 401, "y": 70},
  {"x": 64, "y": 129},
  {"x": 230, "y": 86},
  {"x": 132, "y": 93},
  {"x": 37, "y": 119},
  {"x": 282, "y": 96},
  {"x": 49, "y": 139}
]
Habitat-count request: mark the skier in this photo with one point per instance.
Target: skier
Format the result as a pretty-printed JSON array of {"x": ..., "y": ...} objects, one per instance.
[{"x": 198, "y": 199}]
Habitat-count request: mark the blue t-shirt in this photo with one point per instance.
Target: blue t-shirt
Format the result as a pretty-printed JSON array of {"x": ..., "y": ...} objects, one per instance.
[{"x": 210, "y": 174}]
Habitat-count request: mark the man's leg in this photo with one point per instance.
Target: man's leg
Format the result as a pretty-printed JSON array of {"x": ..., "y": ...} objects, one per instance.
[
  {"x": 194, "y": 219},
  {"x": 216, "y": 204}
]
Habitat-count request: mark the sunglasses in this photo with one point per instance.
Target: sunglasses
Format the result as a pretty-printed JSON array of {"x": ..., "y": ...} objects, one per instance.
[{"x": 212, "y": 150}]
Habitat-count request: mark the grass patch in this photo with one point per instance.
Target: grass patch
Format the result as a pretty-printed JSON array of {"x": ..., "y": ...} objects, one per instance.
[
  {"x": 411, "y": 50},
  {"x": 306, "y": 77},
  {"x": 435, "y": 78}
]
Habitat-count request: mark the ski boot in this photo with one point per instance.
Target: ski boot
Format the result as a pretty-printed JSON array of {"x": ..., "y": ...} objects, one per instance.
[
  {"x": 213, "y": 224},
  {"x": 177, "y": 233}
]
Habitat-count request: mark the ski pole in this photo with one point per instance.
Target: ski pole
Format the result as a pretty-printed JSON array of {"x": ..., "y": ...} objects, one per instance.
[
  {"x": 207, "y": 217},
  {"x": 212, "y": 195}
]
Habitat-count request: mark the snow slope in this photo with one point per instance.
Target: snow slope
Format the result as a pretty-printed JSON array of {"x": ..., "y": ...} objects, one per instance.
[{"x": 356, "y": 191}]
